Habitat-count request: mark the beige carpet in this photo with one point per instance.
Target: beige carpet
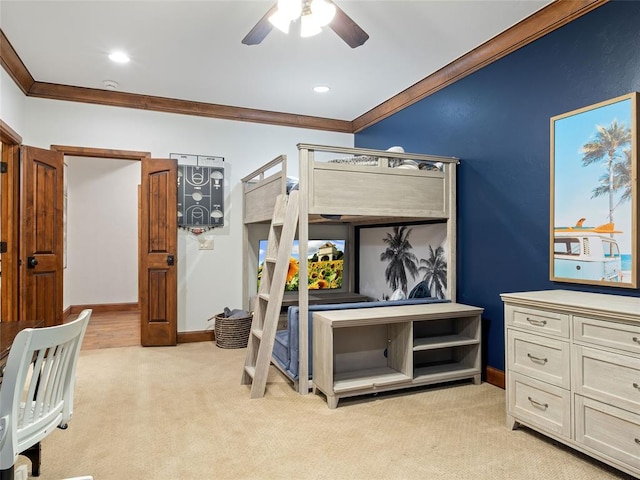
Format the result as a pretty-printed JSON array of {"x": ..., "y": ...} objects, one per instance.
[{"x": 181, "y": 413}]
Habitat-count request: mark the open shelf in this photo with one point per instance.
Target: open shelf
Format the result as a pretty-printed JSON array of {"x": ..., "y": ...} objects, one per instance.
[
  {"x": 361, "y": 351},
  {"x": 370, "y": 378},
  {"x": 445, "y": 341},
  {"x": 442, "y": 372}
]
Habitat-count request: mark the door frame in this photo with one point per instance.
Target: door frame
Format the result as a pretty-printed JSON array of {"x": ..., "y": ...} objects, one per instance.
[
  {"x": 75, "y": 151},
  {"x": 9, "y": 226}
]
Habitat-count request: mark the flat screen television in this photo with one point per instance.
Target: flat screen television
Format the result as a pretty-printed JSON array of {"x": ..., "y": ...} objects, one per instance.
[{"x": 325, "y": 265}]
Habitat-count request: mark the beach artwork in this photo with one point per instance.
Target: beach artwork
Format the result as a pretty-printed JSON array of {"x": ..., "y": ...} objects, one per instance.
[{"x": 593, "y": 194}]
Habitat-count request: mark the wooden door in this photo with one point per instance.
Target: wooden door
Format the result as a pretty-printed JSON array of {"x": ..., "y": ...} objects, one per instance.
[
  {"x": 158, "y": 252},
  {"x": 41, "y": 235}
]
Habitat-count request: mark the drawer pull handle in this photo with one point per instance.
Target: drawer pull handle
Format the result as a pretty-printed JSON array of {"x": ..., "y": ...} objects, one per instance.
[
  {"x": 543, "y": 406},
  {"x": 536, "y": 322},
  {"x": 637, "y": 440},
  {"x": 636, "y": 339},
  {"x": 537, "y": 359},
  {"x": 636, "y": 386}
]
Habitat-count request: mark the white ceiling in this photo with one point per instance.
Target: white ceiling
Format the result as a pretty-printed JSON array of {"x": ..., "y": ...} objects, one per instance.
[{"x": 191, "y": 50}]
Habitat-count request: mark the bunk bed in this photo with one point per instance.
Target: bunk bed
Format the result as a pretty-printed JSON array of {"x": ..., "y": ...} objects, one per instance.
[{"x": 356, "y": 187}]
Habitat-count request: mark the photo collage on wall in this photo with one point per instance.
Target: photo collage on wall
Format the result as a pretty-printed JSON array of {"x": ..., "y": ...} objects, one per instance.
[{"x": 407, "y": 261}]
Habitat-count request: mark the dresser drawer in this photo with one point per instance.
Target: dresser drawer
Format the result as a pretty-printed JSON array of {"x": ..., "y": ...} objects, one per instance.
[
  {"x": 539, "y": 403},
  {"x": 541, "y": 321},
  {"x": 542, "y": 358},
  {"x": 609, "y": 430},
  {"x": 610, "y": 377},
  {"x": 616, "y": 335}
]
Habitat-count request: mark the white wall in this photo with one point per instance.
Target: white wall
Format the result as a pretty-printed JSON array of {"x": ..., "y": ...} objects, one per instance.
[
  {"x": 102, "y": 231},
  {"x": 12, "y": 103},
  {"x": 207, "y": 280}
]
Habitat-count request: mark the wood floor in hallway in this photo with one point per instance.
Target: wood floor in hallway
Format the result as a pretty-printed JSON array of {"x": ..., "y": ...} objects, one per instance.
[{"x": 111, "y": 329}]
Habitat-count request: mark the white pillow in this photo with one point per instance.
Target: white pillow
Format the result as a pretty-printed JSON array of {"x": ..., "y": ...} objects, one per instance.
[{"x": 396, "y": 149}]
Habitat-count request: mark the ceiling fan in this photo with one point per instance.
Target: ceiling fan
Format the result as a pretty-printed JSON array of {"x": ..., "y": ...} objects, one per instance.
[{"x": 313, "y": 15}]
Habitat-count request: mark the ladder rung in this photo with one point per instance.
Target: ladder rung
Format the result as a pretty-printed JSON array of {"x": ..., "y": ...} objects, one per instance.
[
  {"x": 277, "y": 223},
  {"x": 257, "y": 332},
  {"x": 264, "y": 296},
  {"x": 270, "y": 259},
  {"x": 251, "y": 371}
]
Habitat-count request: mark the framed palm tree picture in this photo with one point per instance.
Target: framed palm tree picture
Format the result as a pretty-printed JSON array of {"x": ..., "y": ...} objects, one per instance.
[
  {"x": 594, "y": 198},
  {"x": 403, "y": 261}
]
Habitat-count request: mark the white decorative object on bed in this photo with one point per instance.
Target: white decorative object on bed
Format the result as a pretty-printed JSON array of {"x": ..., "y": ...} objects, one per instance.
[{"x": 350, "y": 186}]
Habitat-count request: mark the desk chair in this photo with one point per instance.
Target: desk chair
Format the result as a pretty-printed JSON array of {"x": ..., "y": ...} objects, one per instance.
[{"x": 36, "y": 394}]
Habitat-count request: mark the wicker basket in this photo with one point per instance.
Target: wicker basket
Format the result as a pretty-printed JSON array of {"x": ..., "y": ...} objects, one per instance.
[{"x": 232, "y": 332}]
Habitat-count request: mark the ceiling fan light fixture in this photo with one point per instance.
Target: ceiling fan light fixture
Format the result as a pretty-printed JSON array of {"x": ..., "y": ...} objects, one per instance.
[
  {"x": 314, "y": 15},
  {"x": 290, "y": 9},
  {"x": 309, "y": 26},
  {"x": 323, "y": 12},
  {"x": 280, "y": 21}
]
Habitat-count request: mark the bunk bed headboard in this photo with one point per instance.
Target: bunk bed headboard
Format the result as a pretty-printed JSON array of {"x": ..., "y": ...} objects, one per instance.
[
  {"x": 372, "y": 183},
  {"x": 260, "y": 191}
]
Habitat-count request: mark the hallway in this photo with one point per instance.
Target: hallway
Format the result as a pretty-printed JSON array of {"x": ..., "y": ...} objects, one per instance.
[{"x": 111, "y": 329}]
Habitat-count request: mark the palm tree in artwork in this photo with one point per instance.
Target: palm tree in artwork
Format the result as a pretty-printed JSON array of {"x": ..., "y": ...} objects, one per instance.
[
  {"x": 606, "y": 145},
  {"x": 622, "y": 179},
  {"x": 435, "y": 271},
  {"x": 401, "y": 260}
]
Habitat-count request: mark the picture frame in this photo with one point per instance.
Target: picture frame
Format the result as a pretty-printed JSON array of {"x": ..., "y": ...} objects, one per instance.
[
  {"x": 404, "y": 261},
  {"x": 594, "y": 194}
]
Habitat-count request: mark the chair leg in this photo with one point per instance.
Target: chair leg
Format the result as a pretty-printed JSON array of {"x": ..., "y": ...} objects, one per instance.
[
  {"x": 6, "y": 474},
  {"x": 33, "y": 454}
]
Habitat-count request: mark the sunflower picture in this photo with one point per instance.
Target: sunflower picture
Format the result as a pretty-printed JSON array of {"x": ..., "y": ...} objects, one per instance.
[{"x": 325, "y": 265}]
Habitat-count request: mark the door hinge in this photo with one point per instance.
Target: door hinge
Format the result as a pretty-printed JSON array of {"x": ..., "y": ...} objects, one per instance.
[
  {"x": 3, "y": 247},
  {"x": 3, "y": 167}
]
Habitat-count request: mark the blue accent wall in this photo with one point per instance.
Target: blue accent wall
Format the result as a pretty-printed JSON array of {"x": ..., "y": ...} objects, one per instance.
[{"x": 497, "y": 122}]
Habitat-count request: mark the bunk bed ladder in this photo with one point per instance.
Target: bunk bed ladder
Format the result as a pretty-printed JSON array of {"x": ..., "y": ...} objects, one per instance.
[{"x": 269, "y": 300}]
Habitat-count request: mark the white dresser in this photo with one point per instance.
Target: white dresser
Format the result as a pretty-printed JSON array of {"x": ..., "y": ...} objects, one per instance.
[{"x": 573, "y": 371}]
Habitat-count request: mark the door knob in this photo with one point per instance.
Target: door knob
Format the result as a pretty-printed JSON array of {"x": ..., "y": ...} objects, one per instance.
[
  {"x": 170, "y": 260},
  {"x": 32, "y": 262}
]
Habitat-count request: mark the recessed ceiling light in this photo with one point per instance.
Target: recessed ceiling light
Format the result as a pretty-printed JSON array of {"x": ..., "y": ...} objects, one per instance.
[
  {"x": 321, "y": 89},
  {"x": 119, "y": 57}
]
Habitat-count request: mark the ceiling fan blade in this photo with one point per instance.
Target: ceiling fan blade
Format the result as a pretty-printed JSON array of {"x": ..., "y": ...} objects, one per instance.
[
  {"x": 261, "y": 29},
  {"x": 347, "y": 29}
]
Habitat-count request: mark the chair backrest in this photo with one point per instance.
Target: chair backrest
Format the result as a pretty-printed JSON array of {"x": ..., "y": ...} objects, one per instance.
[{"x": 36, "y": 394}]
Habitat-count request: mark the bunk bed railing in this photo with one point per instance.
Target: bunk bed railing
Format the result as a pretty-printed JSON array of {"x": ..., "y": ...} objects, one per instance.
[
  {"x": 376, "y": 153},
  {"x": 384, "y": 184},
  {"x": 261, "y": 188}
]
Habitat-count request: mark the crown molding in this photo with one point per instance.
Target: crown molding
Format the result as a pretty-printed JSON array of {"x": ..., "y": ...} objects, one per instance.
[
  {"x": 170, "y": 105},
  {"x": 546, "y": 20},
  {"x": 12, "y": 64}
]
